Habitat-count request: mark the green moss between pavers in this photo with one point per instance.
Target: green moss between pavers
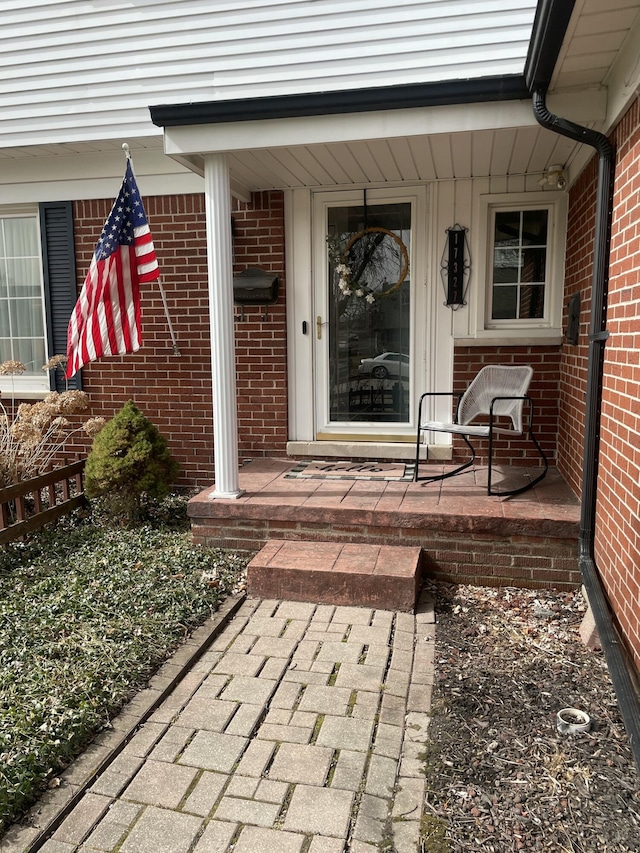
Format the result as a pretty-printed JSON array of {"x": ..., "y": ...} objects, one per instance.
[{"x": 334, "y": 675}]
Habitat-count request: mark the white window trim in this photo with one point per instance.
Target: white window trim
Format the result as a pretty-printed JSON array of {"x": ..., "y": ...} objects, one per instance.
[
  {"x": 21, "y": 386},
  {"x": 547, "y": 329}
]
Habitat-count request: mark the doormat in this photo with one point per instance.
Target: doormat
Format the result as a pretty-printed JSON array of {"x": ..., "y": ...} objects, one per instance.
[{"x": 322, "y": 469}]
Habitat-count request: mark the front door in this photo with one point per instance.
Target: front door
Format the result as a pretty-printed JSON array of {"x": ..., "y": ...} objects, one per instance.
[{"x": 365, "y": 303}]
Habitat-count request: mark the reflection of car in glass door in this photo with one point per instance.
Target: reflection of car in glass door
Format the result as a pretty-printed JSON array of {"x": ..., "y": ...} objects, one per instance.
[{"x": 387, "y": 364}]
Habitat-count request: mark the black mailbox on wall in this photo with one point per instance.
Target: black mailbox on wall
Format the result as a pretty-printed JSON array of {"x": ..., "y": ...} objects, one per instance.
[{"x": 255, "y": 287}]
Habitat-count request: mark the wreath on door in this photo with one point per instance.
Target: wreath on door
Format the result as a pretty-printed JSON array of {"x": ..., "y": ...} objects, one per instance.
[{"x": 367, "y": 266}]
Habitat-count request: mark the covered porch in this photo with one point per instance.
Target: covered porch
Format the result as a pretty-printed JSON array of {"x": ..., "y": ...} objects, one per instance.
[
  {"x": 466, "y": 536},
  {"x": 419, "y": 164}
]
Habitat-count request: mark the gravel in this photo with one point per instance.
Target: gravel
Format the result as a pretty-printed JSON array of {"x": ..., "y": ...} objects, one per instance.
[{"x": 500, "y": 776}]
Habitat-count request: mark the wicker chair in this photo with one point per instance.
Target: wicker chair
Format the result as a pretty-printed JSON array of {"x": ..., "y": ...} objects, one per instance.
[{"x": 497, "y": 392}]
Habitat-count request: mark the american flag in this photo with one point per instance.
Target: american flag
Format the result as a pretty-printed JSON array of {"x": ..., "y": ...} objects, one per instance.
[{"x": 106, "y": 319}]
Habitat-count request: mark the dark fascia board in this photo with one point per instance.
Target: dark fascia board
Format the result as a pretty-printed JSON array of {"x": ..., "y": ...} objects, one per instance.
[
  {"x": 549, "y": 29},
  {"x": 504, "y": 88}
]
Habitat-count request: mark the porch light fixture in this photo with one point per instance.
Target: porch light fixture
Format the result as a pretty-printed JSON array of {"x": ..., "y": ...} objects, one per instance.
[
  {"x": 455, "y": 267},
  {"x": 554, "y": 177}
]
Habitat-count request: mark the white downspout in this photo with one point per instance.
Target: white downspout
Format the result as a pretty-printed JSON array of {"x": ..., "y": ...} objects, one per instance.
[{"x": 217, "y": 191}]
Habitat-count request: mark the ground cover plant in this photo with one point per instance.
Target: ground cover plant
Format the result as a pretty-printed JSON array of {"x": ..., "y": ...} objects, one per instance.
[{"x": 87, "y": 613}]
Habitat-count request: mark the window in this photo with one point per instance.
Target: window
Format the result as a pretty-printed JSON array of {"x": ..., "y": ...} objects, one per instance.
[
  {"x": 37, "y": 293},
  {"x": 22, "y": 316},
  {"x": 519, "y": 264},
  {"x": 22, "y": 336},
  {"x": 524, "y": 252}
]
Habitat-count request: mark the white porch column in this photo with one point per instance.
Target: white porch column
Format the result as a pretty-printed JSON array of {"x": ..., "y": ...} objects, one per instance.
[{"x": 223, "y": 362}]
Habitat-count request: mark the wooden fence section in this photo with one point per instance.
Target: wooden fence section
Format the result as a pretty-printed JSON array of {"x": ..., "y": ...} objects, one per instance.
[{"x": 30, "y": 505}]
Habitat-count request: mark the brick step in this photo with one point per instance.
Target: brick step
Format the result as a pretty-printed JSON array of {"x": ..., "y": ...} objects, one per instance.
[{"x": 383, "y": 576}]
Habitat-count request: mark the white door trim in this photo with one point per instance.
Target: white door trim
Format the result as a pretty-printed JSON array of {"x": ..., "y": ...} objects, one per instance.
[
  {"x": 431, "y": 331},
  {"x": 322, "y": 201}
]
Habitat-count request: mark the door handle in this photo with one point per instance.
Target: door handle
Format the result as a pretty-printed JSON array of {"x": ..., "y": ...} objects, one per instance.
[{"x": 319, "y": 325}]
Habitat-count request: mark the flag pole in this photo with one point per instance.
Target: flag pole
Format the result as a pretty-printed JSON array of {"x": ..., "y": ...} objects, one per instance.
[{"x": 176, "y": 350}]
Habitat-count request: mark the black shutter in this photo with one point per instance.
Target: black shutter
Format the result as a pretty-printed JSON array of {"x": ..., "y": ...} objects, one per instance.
[{"x": 59, "y": 263}]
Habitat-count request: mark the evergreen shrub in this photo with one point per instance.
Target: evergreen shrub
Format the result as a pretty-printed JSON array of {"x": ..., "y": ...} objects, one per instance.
[{"x": 129, "y": 463}]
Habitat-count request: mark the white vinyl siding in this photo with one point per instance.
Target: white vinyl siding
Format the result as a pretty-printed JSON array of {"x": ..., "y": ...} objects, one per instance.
[{"x": 74, "y": 70}]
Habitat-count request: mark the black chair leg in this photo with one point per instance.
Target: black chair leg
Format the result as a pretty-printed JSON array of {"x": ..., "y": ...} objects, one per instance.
[
  {"x": 530, "y": 484},
  {"x": 454, "y": 473}
]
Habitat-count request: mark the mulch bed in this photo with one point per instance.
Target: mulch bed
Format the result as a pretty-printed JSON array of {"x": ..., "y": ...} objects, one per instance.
[{"x": 499, "y": 774}]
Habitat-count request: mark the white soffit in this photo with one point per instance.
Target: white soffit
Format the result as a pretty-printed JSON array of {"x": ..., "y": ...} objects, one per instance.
[
  {"x": 623, "y": 79},
  {"x": 599, "y": 32},
  {"x": 88, "y": 170},
  {"x": 435, "y": 143}
]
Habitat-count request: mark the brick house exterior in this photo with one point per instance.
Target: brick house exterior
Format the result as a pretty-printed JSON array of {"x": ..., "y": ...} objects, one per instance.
[
  {"x": 162, "y": 383},
  {"x": 159, "y": 382},
  {"x": 456, "y": 138},
  {"x": 175, "y": 391}
]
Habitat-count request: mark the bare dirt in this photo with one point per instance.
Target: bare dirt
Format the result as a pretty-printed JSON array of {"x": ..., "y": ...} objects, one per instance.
[{"x": 500, "y": 775}]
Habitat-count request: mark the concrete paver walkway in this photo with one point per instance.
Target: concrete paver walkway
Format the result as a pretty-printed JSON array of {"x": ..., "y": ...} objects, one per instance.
[{"x": 300, "y": 730}]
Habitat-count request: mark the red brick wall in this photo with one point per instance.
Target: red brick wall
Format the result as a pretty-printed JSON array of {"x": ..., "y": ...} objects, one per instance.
[
  {"x": 578, "y": 279},
  {"x": 618, "y": 508},
  {"x": 543, "y": 390},
  {"x": 261, "y": 342},
  {"x": 175, "y": 392},
  {"x": 618, "y": 488},
  {"x": 508, "y": 557}
]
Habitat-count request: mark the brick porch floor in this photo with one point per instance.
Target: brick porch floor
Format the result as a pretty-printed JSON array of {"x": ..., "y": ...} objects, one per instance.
[{"x": 467, "y": 536}]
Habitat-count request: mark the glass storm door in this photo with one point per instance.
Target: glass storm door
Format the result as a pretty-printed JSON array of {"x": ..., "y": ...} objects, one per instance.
[{"x": 365, "y": 330}]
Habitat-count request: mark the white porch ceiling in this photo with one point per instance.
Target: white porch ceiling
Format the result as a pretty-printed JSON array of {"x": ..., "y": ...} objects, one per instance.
[{"x": 485, "y": 153}]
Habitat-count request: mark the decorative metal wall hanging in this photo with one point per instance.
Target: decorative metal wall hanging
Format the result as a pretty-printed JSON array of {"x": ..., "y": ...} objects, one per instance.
[
  {"x": 573, "y": 319},
  {"x": 455, "y": 267}
]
